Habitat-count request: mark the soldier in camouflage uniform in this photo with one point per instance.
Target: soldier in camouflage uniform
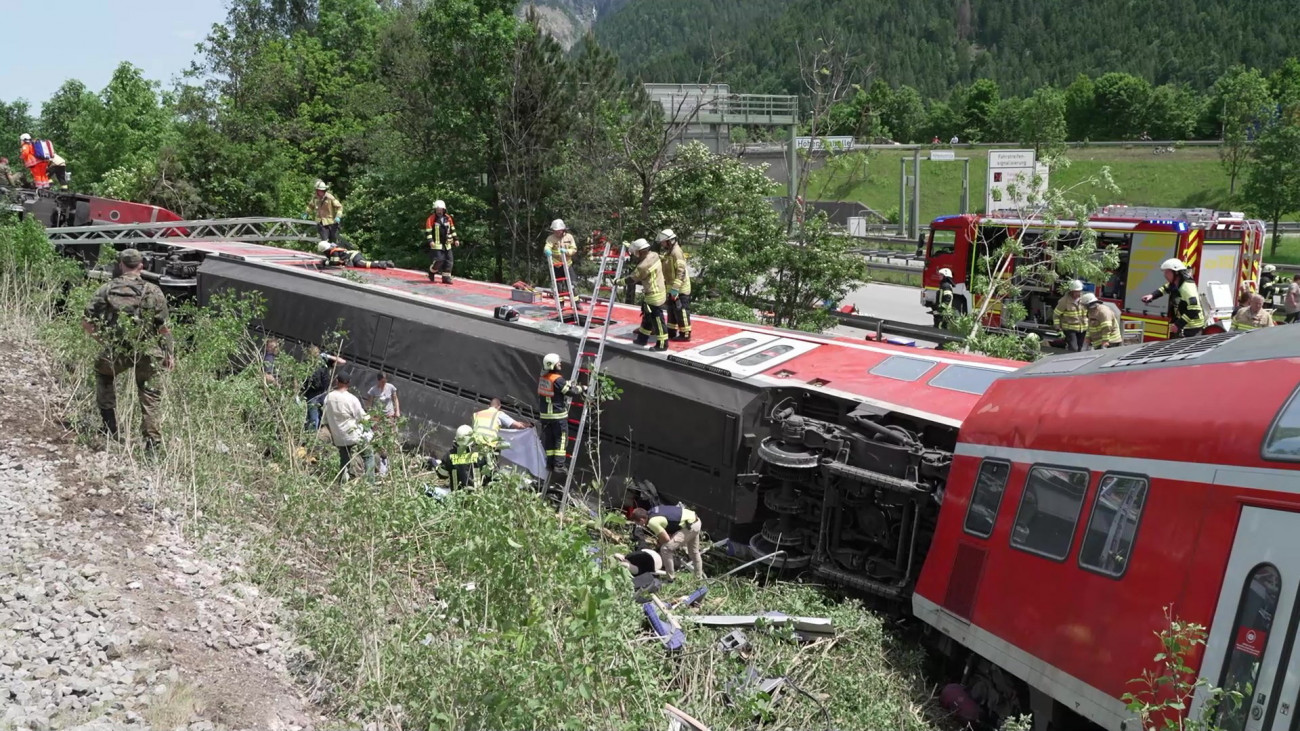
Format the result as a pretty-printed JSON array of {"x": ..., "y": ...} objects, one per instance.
[{"x": 128, "y": 316}]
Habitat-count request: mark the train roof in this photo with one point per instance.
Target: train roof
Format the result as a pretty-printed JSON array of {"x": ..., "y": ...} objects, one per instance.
[
  {"x": 937, "y": 386},
  {"x": 1207, "y": 401}
]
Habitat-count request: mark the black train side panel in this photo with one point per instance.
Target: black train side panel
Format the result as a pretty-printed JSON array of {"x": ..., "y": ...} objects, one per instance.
[{"x": 681, "y": 429}]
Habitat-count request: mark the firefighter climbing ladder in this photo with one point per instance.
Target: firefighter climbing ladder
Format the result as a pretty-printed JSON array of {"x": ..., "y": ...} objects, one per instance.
[
  {"x": 566, "y": 303},
  {"x": 586, "y": 367}
]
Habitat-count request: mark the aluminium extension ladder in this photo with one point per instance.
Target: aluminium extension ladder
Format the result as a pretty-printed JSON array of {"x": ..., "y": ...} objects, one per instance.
[
  {"x": 586, "y": 367},
  {"x": 566, "y": 302}
]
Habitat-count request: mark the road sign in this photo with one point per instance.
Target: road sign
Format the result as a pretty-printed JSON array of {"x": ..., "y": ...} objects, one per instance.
[
  {"x": 943, "y": 155},
  {"x": 1014, "y": 177},
  {"x": 835, "y": 144}
]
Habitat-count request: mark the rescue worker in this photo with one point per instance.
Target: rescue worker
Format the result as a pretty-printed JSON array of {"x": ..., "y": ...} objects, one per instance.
[
  {"x": 487, "y": 424},
  {"x": 1103, "y": 326},
  {"x": 942, "y": 309},
  {"x": 7, "y": 176},
  {"x": 327, "y": 211},
  {"x": 641, "y": 562},
  {"x": 553, "y": 391},
  {"x": 1253, "y": 316},
  {"x": 37, "y": 167},
  {"x": 128, "y": 316},
  {"x": 59, "y": 169},
  {"x": 1186, "y": 317},
  {"x": 1268, "y": 283},
  {"x": 1291, "y": 300},
  {"x": 678, "y": 280},
  {"x": 560, "y": 247},
  {"x": 440, "y": 234},
  {"x": 673, "y": 527},
  {"x": 341, "y": 256},
  {"x": 1071, "y": 317},
  {"x": 466, "y": 465},
  {"x": 649, "y": 274}
]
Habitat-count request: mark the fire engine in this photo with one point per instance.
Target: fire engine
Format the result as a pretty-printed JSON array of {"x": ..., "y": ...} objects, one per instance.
[{"x": 1222, "y": 250}]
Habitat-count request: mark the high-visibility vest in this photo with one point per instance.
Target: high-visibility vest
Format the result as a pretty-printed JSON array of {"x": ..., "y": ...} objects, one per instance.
[
  {"x": 485, "y": 424},
  {"x": 465, "y": 462},
  {"x": 440, "y": 232},
  {"x": 551, "y": 401},
  {"x": 1245, "y": 320},
  {"x": 1184, "y": 304}
]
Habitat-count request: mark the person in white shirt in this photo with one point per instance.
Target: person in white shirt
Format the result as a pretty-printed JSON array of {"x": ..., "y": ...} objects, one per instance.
[
  {"x": 346, "y": 419},
  {"x": 386, "y": 394}
]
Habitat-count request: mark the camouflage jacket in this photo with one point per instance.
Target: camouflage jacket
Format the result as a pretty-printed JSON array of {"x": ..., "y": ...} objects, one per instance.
[{"x": 130, "y": 316}]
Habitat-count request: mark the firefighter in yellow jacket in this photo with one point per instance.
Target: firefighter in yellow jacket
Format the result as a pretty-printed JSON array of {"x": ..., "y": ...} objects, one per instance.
[
  {"x": 1186, "y": 316},
  {"x": 560, "y": 248},
  {"x": 650, "y": 275},
  {"x": 553, "y": 410},
  {"x": 1103, "y": 326},
  {"x": 678, "y": 280},
  {"x": 327, "y": 211},
  {"x": 1253, "y": 316},
  {"x": 1071, "y": 317}
]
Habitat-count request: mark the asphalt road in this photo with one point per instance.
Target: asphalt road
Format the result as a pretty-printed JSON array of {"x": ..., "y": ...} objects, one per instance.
[{"x": 889, "y": 302}]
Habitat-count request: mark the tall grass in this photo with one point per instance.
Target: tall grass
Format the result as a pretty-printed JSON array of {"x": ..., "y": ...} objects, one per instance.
[{"x": 478, "y": 611}]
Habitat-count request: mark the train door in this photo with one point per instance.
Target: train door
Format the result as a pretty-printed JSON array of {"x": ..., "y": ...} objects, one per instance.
[{"x": 1250, "y": 644}]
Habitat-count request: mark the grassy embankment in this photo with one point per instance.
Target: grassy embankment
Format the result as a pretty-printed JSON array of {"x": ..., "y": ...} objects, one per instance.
[{"x": 478, "y": 611}]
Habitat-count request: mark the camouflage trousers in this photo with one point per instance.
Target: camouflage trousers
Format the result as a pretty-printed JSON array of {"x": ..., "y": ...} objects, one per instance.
[{"x": 108, "y": 366}]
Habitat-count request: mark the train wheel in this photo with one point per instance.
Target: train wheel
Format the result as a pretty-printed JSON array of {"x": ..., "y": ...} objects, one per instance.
[{"x": 778, "y": 453}]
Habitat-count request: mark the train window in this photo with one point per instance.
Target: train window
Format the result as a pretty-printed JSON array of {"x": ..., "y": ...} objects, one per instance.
[
  {"x": 1108, "y": 541},
  {"x": 942, "y": 242},
  {"x": 728, "y": 347},
  {"x": 1049, "y": 511},
  {"x": 902, "y": 368},
  {"x": 1253, "y": 623},
  {"x": 1283, "y": 440},
  {"x": 965, "y": 379},
  {"x": 990, "y": 483},
  {"x": 765, "y": 354}
]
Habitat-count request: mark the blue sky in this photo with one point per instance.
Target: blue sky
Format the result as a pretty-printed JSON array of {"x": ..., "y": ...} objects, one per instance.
[{"x": 87, "y": 39}]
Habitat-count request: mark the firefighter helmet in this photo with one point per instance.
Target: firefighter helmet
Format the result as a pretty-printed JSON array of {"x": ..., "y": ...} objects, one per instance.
[
  {"x": 320, "y": 185},
  {"x": 945, "y": 272},
  {"x": 24, "y": 137},
  {"x": 558, "y": 225},
  {"x": 665, "y": 235},
  {"x": 464, "y": 431},
  {"x": 1076, "y": 286},
  {"x": 439, "y": 204},
  {"x": 1173, "y": 265},
  {"x": 324, "y": 246},
  {"x": 1088, "y": 299},
  {"x": 640, "y": 245},
  {"x": 1270, "y": 268},
  {"x": 551, "y": 362}
]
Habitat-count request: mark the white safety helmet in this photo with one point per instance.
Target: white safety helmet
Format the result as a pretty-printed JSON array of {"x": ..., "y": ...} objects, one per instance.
[
  {"x": 324, "y": 246},
  {"x": 24, "y": 137},
  {"x": 665, "y": 235},
  {"x": 640, "y": 245},
  {"x": 320, "y": 185},
  {"x": 558, "y": 225},
  {"x": 1173, "y": 265},
  {"x": 1088, "y": 298},
  {"x": 551, "y": 361},
  {"x": 439, "y": 204},
  {"x": 1270, "y": 268},
  {"x": 945, "y": 272},
  {"x": 1076, "y": 286},
  {"x": 464, "y": 431}
]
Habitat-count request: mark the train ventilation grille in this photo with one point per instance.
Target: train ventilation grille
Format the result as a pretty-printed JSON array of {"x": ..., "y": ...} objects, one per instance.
[{"x": 1172, "y": 350}]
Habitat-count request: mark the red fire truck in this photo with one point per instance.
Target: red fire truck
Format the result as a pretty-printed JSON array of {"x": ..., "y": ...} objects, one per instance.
[{"x": 1223, "y": 250}]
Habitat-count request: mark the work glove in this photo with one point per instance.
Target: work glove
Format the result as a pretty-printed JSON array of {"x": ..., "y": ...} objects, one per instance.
[
  {"x": 673, "y": 293},
  {"x": 338, "y": 218},
  {"x": 546, "y": 250}
]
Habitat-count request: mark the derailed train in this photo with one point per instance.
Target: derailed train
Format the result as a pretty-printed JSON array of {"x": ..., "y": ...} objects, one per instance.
[{"x": 1001, "y": 504}]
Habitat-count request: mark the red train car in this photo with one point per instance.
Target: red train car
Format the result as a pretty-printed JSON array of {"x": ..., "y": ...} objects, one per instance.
[{"x": 1090, "y": 491}]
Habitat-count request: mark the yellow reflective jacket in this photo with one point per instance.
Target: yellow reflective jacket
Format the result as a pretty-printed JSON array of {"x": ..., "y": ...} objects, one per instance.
[
  {"x": 1103, "y": 327},
  {"x": 650, "y": 275},
  {"x": 676, "y": 275},
  {"x": 1070, "y": 315}
]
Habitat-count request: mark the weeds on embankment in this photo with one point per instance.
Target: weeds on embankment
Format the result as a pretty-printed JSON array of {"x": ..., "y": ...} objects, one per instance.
[{"x": 481, "y": 610}]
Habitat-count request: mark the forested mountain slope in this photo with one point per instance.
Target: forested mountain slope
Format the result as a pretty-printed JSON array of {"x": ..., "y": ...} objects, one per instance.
[{"x": 936, "y": 44}]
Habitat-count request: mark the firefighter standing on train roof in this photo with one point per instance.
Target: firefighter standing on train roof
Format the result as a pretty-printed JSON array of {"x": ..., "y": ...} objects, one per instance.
[
  {"x": 1071, "y": 317},
  {"x": 559, "y": 248},
  {"x": 327, "y": 211},
  {"x": 1187, "y": 318},
  {"x": 1253, "y": 316},
  {"x": 341, "y": 256},
  {"x": 1103, "y": 326},
  {"x": 943, "y": 300},
  {"x": 440, "y": 235},
  {"x": 650, "y": 274},
  {"x": 36, "y": 166},
  {"x": 553, "y": 391},
  {"x": 678, "y": 280}
]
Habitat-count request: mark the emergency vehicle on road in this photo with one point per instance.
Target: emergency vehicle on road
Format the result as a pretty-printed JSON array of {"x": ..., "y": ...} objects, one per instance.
[{"x": 1222, "y": 250}]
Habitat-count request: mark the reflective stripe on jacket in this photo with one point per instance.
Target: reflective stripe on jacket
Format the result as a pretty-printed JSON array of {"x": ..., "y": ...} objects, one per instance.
[
  {"x": 650, "y": 274},
  {"x": 486, "y": 425},
  {"x": 1103, "y": 327},
  {"x": 1184, "y": 304},
  {"x": 551, "y": 391},
  {"x": 564, "y": 244},
  {"x": 1244, "y": 319},
  {"x": 440, "y": 233},
  {"x": 1070, "y": 315},
  {"x": 676, "y": 275},
  {"x": 326, "y": 208}
]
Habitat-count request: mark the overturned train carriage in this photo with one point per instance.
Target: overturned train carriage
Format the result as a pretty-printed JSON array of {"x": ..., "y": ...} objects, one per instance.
[{"x": 847, "y": 484}]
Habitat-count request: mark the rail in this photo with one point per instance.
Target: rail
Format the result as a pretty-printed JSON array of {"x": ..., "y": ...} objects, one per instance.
[{"x": 249, "y": 230}]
